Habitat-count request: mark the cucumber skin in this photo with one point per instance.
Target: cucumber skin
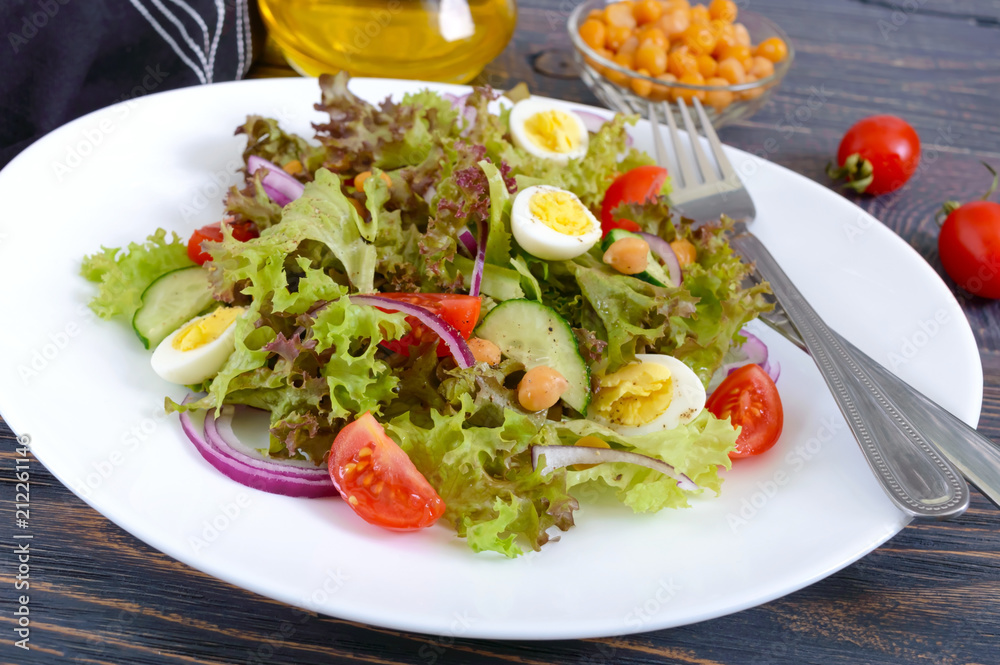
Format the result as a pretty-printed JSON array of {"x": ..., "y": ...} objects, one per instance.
[
  {"x": 135, "y": 326},
  {"x": 618, "y": 234},
  {"x": 552, "y": 316}
]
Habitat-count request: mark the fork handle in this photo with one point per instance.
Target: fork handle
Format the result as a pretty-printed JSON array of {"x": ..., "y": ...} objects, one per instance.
[
  {"x": 918, "y": 478},
  {"x": 976, "y": 456}
]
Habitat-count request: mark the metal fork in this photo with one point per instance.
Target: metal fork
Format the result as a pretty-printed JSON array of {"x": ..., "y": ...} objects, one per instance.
[{"x": 893, "y": 423}]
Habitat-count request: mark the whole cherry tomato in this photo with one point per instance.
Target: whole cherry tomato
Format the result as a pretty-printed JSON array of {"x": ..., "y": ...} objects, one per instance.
[
  {"x": 877, "y": 155},
  {"x": 969, "y": 244}
]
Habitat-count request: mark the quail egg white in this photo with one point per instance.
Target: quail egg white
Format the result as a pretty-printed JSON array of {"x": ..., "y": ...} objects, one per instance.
[
  {"x": 656, "y": 393},
  {"x": 552, "y": 223},
  {"x": 547, "y": 130}
]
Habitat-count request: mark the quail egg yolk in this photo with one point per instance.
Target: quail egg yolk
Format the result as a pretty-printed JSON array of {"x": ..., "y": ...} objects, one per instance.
[
  {"x": 555, "y": 131},
  {"x": 560, "y": 211},
  {"x": 634, "y": 395},
  {"x": 207, "y": 329}
]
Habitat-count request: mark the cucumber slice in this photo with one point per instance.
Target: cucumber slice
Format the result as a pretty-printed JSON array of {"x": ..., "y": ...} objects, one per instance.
[
  {"x": 534, "y": 334},
  {"x": 170, "y": 301},
  {"x": 654, "y": 272}
]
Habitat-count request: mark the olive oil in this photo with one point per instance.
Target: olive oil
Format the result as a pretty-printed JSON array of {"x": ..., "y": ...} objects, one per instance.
[{"x": 436, "y": 40}]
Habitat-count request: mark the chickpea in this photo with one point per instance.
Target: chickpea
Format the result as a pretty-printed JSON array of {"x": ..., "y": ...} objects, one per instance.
[
  {"x": 624, "y": 59},
  {"x": 647, "y": 11},
  {"x": 628, "y": 255},
  {"x": 752, "y": 93},
  {"x": 593, "y": 32},
  {"x": 738, "y": 52},
  {"x": 620, "y": 15},
  {"x": 725, "y": 37},
  {"x": 707, "y": 66},
  {"x": 630, "y": 46},
  {"x": 652, "y": 58},
  {"x": 616, "y": 35},
  {"x": 654, "y": 35},
  {"x": 589, "y": 442},
  {"x": 359, "y": 180},
  {"x": 685, "y": 250},
  {"x": 762, "y": 67},
  {"x": 597, "y": 15},
  {"x": 699, "y": 39},
  {"x": 774, "y": 49},
  {"x": 674, "y": 23},
  {"x": 691, "y": 79},
  {"x": 293, "y": 167},
  {"x": 718, "y": 99},
  {"x": 699, "y": 14},
  {"x": 484, "y": 351},
  {"x": 541, "y": 387},
  {"x": 742, "y": 34},
  {"x": 664, "y": 92},
  {"x": 724, "y": 10},
  {"x": 682, "y": 62},
  {"x": 642, "y": 87},
  {"x": 732, "y": 70}
]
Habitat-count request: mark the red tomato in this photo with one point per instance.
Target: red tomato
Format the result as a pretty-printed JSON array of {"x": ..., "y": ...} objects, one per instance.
[
  {"x": 242, "y": 231},
  {"x": 378, "y": 481},
  {"x": 877, "y": 155},
  {"x": 969, "y": 245},
  {"x": 750, "y": 399},
  {"x": 462, "y": 312},
  {"x": 636, "y": 186}
]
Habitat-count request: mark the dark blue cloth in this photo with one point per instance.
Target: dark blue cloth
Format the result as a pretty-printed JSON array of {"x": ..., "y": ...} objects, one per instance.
[{"x": 64, "y": 58}]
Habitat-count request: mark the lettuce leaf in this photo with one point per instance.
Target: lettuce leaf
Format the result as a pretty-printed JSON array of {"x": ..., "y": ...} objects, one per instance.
[
  {"x": 123, "y": 274},
  {"x": 494, "y": 499}
]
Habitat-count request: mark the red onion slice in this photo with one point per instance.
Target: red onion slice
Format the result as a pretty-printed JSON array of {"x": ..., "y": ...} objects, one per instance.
[
  {"x": 264, "y": 475},
  {"x": 773, "y": 369},
  {"x": 477, "y": 270},
  {"x": 592, "y": 121},
  {"x": 662, "y": 250},
  {"x": 559, "y": 456},
  {"x": 468, "y": 242},
  {"x": 221, "y": 427},
  {"x": 279, "y": 185},
  {"x": 451, "y": 337}
]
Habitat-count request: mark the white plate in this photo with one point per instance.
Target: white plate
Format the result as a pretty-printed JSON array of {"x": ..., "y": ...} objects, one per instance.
[{"x": 83, "y": 390}]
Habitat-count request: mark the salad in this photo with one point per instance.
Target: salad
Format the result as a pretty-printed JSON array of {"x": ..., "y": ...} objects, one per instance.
[{"x": 453, "y": 313}]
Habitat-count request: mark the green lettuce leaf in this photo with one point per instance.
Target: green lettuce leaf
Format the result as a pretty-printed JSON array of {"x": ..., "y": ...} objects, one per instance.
[
  {"x": 494, "y": 499},
  {"x": 123, "y": 274}
]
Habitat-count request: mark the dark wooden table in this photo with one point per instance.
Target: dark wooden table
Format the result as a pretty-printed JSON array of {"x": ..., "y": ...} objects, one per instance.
[{"x": 930, "y": 595}]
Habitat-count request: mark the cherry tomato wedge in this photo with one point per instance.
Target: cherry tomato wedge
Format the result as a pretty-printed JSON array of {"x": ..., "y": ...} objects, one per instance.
[
  {"x": 242, "y": 231},
  {"x": 378, "y": 481},
  {"x": 749, "y": 398},
  {"x": 636, "y": 186},
  {"x": 461, "y": 311},
  {"x": 878, "y": 155}
]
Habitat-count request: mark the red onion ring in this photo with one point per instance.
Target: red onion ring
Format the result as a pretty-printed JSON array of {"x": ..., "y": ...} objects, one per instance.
[
  {"x": 452, "y": 338},
  {"x": 663, "y": 251},
  {"x": 468, "y": 242},
  {"x": 559, "y": 456},
  {"x": 594, "y": 121},
  {"x": 477, "y": 270},
  {"x": 279, "y": 185},
  {"x": 258, "y": 473}
]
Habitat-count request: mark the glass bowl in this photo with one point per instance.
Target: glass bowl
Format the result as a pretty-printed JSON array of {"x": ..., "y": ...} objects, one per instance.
[{"x": 619, "y": 87}]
